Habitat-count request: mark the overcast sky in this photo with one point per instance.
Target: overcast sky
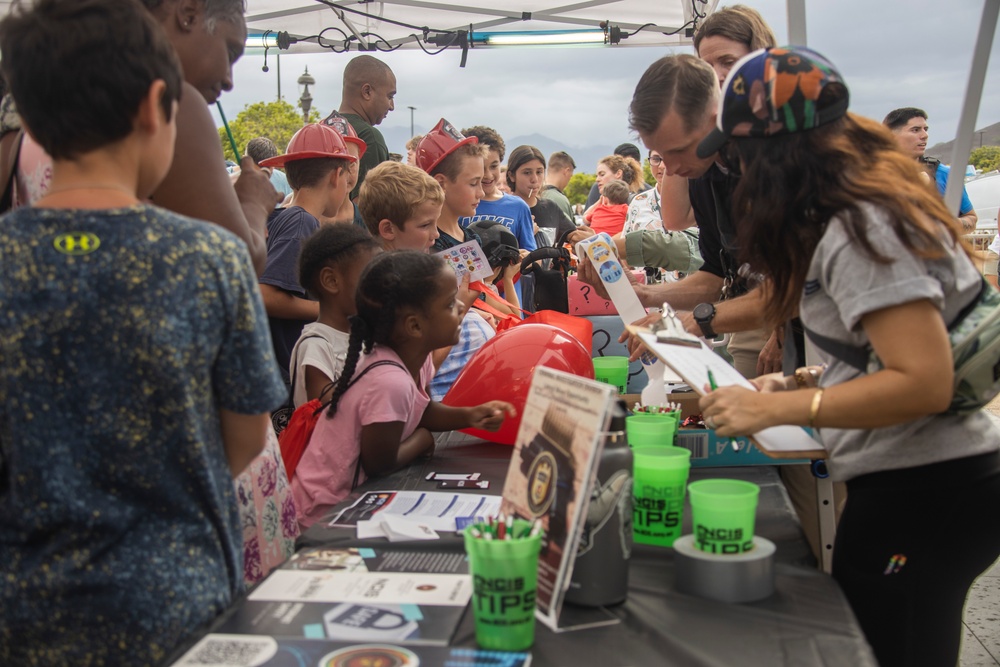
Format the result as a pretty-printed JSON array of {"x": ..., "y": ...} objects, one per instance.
[{"x": 891, "y": 53}]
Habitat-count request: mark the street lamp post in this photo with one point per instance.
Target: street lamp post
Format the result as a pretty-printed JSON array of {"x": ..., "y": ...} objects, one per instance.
[
  {"x": 412, "y": 109},
  {"x": 306, "y": 98}
]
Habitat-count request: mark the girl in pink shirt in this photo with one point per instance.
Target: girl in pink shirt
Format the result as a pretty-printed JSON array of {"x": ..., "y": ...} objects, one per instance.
[{"x": 380, "y": 415}]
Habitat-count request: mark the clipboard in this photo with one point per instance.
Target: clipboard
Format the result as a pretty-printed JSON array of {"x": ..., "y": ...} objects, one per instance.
[{"x": 693, "y": 363}]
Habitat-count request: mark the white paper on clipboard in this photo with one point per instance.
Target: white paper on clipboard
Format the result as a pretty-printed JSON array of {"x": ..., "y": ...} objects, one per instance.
[{"x": 693, "y": 364}]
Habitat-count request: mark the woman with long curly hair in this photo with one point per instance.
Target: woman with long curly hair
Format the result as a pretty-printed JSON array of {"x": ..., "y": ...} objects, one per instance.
[{"x": 851, "y": 239}]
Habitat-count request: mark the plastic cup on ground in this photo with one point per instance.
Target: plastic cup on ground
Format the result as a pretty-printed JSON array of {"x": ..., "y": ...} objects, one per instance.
[
  {"x": 649, "y": 430},
  {"x": 612, "y": 370},
  {"x": 504, "y": 584},
  {"x": 660, "y": 476},
  {"x": 724, "y": 513}
]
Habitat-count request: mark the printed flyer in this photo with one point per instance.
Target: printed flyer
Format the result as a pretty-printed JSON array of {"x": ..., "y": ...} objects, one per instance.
[
  {"x": 371, "y": 595},
  {"x": 435, "y": 509},
  {"x": 551, "y": 471},
  {"x": 226, "y": 650}
]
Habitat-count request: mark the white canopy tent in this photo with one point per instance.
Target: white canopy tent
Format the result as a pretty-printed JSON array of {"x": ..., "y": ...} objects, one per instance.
[
  {"x": 400, "y": 23},
  {"x": 388, "y": 24}
]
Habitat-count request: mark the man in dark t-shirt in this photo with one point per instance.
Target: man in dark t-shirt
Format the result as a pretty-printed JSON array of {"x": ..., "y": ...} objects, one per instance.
[{"x": 367, "y": 98}]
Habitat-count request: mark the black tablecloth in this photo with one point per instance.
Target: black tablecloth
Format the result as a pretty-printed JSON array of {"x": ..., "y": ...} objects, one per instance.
[{"x": 806, "y": 622}]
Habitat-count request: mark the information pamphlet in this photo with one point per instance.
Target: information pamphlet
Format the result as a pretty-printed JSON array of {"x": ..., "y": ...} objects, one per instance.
[
  {"x": 552, "y": 469},
  {"x": 359, "y": 594},
  {"x": 435, "y": 509},
  {"x": 226, "y": 650}
]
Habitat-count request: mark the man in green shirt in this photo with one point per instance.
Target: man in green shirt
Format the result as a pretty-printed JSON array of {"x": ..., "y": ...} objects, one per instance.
[
  {"x": 560, "y": 170},
  {"x": 369, "y": 89}
]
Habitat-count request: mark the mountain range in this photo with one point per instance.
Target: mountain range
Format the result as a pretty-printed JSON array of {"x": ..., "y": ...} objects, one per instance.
[{"x": 987, "y": 136}]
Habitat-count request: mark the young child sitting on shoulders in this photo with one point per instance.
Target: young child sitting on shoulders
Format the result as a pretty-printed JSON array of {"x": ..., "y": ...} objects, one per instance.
[
  {"x": 380, "y": 414},
  {"x": 137, "y": 370},
  {"x": 609, "y": 213},
  {"x": 400, "y": 205},
  {"x": 318, "y": 166},
  {"x": 330, "y": 264}
]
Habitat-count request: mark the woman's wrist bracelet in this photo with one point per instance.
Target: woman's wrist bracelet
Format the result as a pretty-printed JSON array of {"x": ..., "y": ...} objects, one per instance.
[{"x": 817, "y": 401}]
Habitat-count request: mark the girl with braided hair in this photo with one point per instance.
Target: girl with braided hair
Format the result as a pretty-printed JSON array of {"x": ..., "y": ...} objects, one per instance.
[{"x": 407, "y": 307}]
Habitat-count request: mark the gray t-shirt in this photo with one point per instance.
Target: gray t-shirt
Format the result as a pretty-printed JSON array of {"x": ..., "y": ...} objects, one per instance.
[{"x": 842, "y": 285}]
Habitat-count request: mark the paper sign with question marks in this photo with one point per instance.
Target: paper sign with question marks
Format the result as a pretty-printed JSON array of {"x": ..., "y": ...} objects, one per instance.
[
  {"x": 468, "y": 258},
  {"x": 584, "y": 299},
  {"x": 601, "y": 251}
]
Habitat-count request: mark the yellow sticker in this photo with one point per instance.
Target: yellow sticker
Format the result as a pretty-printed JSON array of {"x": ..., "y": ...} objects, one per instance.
[{"x": 76, "y": 243}]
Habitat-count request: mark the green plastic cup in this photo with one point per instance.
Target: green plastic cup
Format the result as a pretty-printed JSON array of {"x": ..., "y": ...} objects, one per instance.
[
  {"x": 504, "y": 584},
  {"x": 612, "y": 370},
  {"x": 723, "y": 511},
  {"x": 648, "y": 430},
  {"x": 660, "y": 475}
]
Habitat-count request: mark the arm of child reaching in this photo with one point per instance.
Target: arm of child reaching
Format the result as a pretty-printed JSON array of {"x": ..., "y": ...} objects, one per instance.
[
  {"x": 383, "y": 449},
  {"x": 282, "y": 304},
  {"x": 198, "y": 186},
  {"x": 488, "y": 416},
  {"x": 243, "y": 437},
  {"x": 466, "y": 296},
  {"x": 512, "y": 307}
]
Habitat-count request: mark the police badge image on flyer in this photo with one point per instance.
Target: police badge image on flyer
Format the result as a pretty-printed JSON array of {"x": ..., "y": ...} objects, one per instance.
[
  {"x": 555, "y": 454},
  {"x": 359, "y": 594}
]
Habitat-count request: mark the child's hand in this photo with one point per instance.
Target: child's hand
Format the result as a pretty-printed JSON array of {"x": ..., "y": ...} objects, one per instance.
[
  {"x": 466, "y": 296},
  {"x": 489, "y": 416},
  {"x": 511, "y": 271}
]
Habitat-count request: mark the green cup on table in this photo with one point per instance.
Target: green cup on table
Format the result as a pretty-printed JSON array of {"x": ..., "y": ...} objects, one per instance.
[
  {"x": 723, "y": 512},
  {"x": 612, "y": 370},
  {"x": 504, "y": 585},
  {"x": 660, "y": 475},
  {"x": 644, "y": 430}
]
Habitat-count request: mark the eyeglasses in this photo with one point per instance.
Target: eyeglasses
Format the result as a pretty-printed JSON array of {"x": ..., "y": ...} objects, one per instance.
[{"x": 655, "y": 159}]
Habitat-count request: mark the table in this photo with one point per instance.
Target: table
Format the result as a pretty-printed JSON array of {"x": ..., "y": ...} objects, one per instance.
[{"x": 806, "y": 622}]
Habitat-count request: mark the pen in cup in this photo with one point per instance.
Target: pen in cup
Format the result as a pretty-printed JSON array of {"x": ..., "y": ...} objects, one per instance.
[{"x": 711, "y": 383}]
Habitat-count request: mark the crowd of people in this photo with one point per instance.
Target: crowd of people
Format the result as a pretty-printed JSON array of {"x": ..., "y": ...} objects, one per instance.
[{"x": 158, "y": 316}]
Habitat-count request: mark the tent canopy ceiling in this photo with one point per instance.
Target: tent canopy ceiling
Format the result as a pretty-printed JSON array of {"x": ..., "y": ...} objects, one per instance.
[{"x": 362, "y": 21}]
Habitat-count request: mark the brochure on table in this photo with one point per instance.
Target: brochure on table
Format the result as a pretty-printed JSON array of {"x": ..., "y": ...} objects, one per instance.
[
  {"x": 359, "y": 594},
  {"x": 693, "y": 365},
  {"x": 228, "y": 650},
  {"x": 552, "y": 469},
  {"x": 435, "y": 509}
]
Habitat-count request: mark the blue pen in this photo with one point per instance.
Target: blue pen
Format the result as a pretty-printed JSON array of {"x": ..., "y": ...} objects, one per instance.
[{"x": 711, "y": 383}]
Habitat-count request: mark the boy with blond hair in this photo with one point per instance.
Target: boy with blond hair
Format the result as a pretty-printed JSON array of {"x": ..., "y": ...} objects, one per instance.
[{"x": 400, "y": 205}]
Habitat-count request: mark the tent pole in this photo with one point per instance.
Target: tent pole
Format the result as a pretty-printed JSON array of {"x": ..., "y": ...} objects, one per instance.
[
  {"x": 796, "y": 12},
  {"x": 970, "y": 107}
]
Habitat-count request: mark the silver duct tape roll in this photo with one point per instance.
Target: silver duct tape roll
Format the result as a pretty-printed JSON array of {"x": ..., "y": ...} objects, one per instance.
[{"x": 731, "y": 578}]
